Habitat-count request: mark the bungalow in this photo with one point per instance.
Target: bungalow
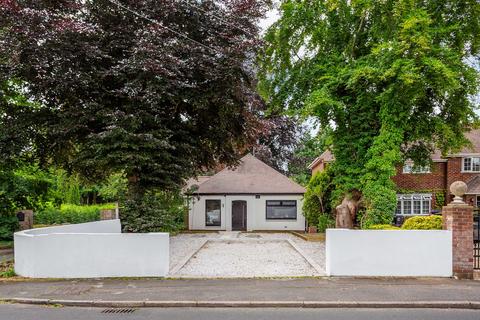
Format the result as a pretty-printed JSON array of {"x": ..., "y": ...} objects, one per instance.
[
  {"x": 422, "y": 189},
  {"x": 252, "y": 196}
]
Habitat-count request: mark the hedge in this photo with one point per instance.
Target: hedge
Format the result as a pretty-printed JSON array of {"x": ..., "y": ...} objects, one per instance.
[
  {"x": 414, "y": 223},
  {"x": 70, "y": 213}
]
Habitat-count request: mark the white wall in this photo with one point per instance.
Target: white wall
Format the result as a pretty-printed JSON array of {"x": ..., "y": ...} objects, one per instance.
[
  {"x": 399, "y": 253},
  {"x": 90, "y": 250},
  {"x": 256, "y": 213}
]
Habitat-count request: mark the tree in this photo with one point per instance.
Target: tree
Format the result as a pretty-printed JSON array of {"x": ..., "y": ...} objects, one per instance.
[
  {"x": 277, "y": 139},
  {"x": 158, "y": 90},
  {"x": 390, "y": 78},
  {"x": 309, "y": 148}
]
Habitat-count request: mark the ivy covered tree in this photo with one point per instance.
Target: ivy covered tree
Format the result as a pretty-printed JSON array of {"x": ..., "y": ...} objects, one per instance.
[
  {"x": 393, "y": 80},
  {"x": 157, "y": 90}
]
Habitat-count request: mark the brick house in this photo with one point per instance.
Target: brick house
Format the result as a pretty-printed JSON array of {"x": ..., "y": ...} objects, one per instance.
[{"x": 422, "y": 190}]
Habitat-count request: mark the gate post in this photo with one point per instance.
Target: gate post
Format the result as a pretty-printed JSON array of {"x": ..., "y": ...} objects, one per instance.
[{"x": 458, "y": 218}]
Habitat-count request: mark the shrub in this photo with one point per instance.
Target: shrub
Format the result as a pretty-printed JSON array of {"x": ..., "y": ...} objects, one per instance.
[
  {"x": 316, "y": 203},
  {"x": 70, "y": 213},
  {"x": 324, "y": 222},
  {"x": 8, "y": 225},
  {"x": 155, "y": 212},
  {"x": 423, "y": 223},
  {"x": 383, "y": 227}
]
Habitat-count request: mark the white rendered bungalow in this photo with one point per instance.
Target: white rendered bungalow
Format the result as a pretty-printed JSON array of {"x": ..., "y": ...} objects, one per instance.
[{"x": 253, "y": 196}]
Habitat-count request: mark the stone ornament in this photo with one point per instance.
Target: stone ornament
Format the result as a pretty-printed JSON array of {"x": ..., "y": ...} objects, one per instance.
[{"x": 458, "y": 189}]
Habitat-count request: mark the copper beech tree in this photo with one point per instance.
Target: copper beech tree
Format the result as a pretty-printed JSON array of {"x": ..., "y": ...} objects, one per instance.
[{"x": 156, "y": 89}]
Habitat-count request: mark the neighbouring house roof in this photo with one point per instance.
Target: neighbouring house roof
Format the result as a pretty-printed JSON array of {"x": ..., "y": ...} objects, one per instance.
[
  {"x": 473, "y": 136},
  {"x": 251, "y": 176},
  {"x": 473, "y": 185},
  {"x": 195, "y": 181},
  {"x": 326, "y": 156}
]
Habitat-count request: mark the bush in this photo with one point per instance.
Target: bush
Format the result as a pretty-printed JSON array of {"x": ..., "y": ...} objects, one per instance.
[
  {"x": 8, "y": 225},
  {"x": 383, "y": 227},
  {"x": 316, "y": 203},
  {"x": 324, "y": 222},
  {"x": 423, "y": 223},
  {"x": 155, "y": 212},
  {"x": 70, "y": 213}
]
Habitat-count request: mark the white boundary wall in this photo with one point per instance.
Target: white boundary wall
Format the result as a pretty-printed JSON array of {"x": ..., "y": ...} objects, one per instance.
[
  {"x": 396, "y": 253},
  {"x": 90, "y": 250}
]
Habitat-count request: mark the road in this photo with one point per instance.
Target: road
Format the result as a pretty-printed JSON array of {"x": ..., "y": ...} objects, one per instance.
[{"x": 31, "y": 312}]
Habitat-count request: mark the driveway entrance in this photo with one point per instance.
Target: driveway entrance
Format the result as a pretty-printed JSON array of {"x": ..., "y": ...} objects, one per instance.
[{"x": 244, "y": 255}]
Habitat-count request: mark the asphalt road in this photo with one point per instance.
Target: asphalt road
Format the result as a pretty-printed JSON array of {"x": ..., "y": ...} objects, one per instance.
[{"x": 30, "y": 312}]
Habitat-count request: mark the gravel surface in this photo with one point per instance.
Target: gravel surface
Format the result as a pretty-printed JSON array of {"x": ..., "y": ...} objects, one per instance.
[{"x": 236, "y": 254}]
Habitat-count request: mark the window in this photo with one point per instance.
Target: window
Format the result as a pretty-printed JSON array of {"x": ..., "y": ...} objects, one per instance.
[
  {"x": 471, "y": 164},
  {"x": 281, "y": 209},
  {"x": 413, "y": 204},
  {"x": 213, "y": 213},
  {"x": 410, "y": 167}
]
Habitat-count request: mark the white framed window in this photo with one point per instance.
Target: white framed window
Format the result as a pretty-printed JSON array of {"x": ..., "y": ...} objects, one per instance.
[
  {"x": 410, "y": 167},
  {"x": 413, "y": 204},
  {"x": 471, "y": 164}
]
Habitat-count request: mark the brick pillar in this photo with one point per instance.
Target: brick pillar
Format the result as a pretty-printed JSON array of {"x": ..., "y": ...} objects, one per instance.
[{"x": 458, "y": 218}]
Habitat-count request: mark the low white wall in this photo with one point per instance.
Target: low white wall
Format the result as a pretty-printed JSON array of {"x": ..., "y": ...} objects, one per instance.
[
  {"x": 90, "y": 250},
  {"x": 398, "y": 253}
]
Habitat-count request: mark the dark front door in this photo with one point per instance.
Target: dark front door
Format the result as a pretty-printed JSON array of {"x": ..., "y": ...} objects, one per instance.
[{"x": 239, "y": 215}]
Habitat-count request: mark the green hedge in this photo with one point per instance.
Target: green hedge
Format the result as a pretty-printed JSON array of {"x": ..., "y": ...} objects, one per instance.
[
  {"x": 414, "y": 223},
  {"x": 70, "y": 213},
  {"x": 383, "y": 227},
  {"x": 423, "y": 223}
]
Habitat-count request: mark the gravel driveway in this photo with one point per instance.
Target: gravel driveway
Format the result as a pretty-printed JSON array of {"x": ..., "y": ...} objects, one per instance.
[{"x": 237, "y": 254}]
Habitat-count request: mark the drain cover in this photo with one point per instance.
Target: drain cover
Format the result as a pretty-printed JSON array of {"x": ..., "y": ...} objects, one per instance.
[{"x": 119, "y": 310}]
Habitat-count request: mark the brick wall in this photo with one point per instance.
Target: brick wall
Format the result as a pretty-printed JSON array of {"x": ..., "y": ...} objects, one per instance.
[
  {"x": 435, "y": 180},
  {"x": 459, "y": 219}
]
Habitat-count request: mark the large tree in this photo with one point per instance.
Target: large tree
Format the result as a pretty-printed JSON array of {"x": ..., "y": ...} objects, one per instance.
[
  {"x": 392, "y": 78},
  {"x": 156, "y": 89}
]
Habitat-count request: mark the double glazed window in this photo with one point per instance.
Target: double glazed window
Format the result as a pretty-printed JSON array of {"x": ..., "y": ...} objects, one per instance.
[
  {"x": 213, "y": 210},
  {"x": 471, "y": 164},
  {"x": 413, "y": 204},
  {"x": 281, "y": 209}
]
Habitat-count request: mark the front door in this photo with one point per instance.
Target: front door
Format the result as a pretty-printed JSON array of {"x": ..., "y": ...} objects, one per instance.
[{"x": 239, "y": 215}]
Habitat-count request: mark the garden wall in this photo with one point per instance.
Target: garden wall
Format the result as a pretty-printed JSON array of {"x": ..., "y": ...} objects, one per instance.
[
  {"x": 385, "y": 253},
  {"x": 90, "y": 250}
]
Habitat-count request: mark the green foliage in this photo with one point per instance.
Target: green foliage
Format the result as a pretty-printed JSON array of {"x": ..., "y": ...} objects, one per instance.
[
  {"x": 382, "y": 227},
  {"x": 306, "y": 151},
  {"x": 70, "y": 213},
  {"x": 316, "y": 203},
  {"x": 114, "y": 188},
  {"x": 7, "y": 271},
  {"x": 423, "y": 223},
  {"x": 154, "y": 212},
  {"x": 391, "y": 79},
  {"x": 439, "y": 200},
  {"x": 325, "y": 221},
  {"x": 8, "y": 225}
]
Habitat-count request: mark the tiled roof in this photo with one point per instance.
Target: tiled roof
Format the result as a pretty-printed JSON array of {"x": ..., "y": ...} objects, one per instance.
[{"x": 251, "y": 176}]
